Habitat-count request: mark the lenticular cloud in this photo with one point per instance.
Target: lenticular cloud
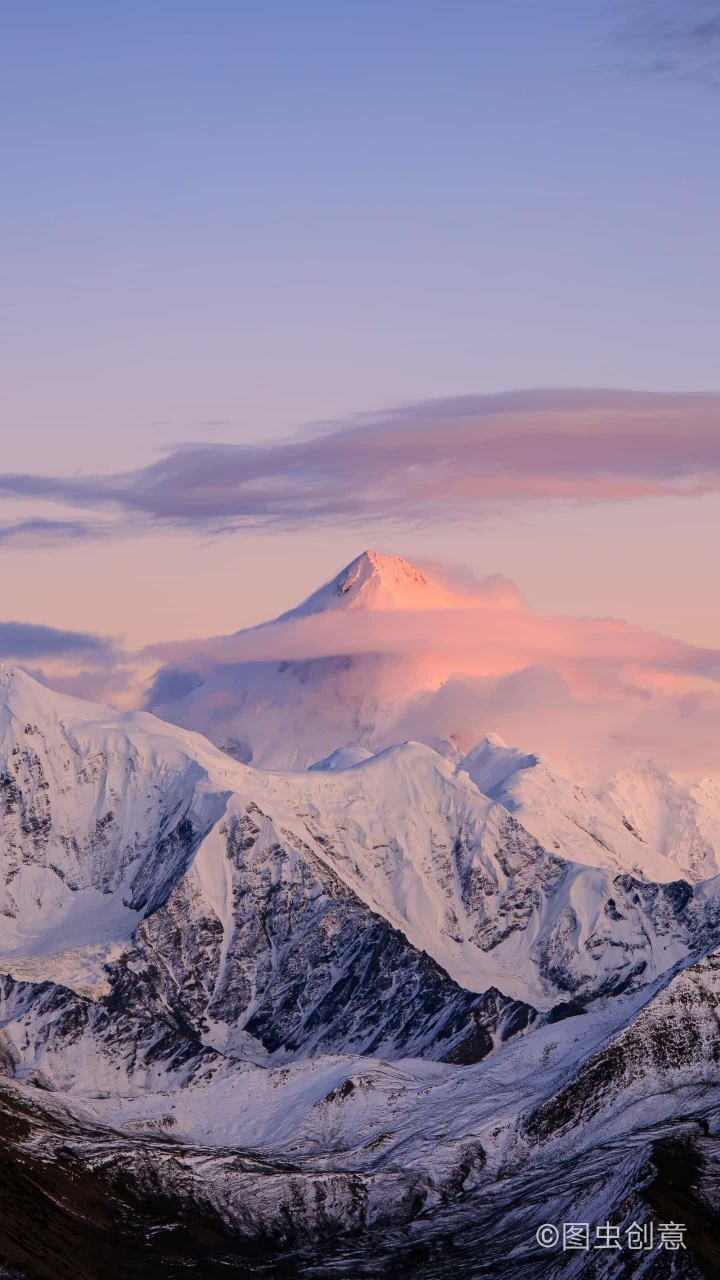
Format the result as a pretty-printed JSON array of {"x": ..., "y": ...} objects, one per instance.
[{"x": 445, "y": 459}]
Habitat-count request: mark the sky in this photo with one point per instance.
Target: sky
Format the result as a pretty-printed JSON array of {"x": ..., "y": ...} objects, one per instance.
[{"x": 264, "y": 265}]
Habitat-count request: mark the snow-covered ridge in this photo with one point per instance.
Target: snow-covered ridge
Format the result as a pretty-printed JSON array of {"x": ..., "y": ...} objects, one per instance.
[
  {"x": 680, "y": 820},
  {"x": 101, "y": 811},
  {"x": 569, "y": 818},
  {"x": 109, "y": 817}
]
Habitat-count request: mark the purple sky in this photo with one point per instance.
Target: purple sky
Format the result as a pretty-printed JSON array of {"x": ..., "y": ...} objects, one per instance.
[{"x": 221, "y": 223}]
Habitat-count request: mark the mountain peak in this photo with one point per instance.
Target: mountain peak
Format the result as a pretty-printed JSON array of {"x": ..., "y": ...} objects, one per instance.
[
  {"x": 492, "y": 762},
  {"x": 15, "y": 682},
  {"x": 382, "y": 581},
  {"x": 376, "y": 581}
]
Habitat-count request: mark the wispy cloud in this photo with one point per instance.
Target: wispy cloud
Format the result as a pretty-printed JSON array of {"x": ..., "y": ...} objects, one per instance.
[
  {"x": 672, "y": 38},
  {"x": 442, "y": 460},
  {"x": 30, "y": 640},
  {"x": 39, "y": 532},
  {"x": 76, "y": 662}
]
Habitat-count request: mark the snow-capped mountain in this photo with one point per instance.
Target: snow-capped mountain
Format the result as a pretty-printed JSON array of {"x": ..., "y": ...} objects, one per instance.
[
  {"x": 325, "y": 1019},
  {"x": 100, "y": 813},
  {"x": 245, "y": 907},
  {"x": 296, "y": 713},
  {"x": 290, "y": 713},
  {"x": 680, "y": 820},
  {"x": 377, "y": 581},
  {"x": 569, "y": 818}
]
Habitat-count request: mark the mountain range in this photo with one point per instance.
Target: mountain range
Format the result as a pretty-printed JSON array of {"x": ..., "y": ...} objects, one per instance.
[{"x": 290, "y": 999}]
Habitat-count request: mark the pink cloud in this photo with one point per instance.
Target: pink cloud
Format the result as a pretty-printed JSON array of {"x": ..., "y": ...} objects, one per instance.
[
  {"x": 497, "y": 636},
  {"x": 442, "y": 460},
  {"x": 588, "y": 691}
]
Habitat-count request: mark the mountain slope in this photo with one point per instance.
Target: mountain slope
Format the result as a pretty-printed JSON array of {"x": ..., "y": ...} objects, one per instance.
[
  {"x": 100, "y": 813},
  {"x": 466, "y": 882},
  {"x": 681, "y": 821},
  {"x": 345, "y": 1168},
  {"x": 565, "y": 816}
]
